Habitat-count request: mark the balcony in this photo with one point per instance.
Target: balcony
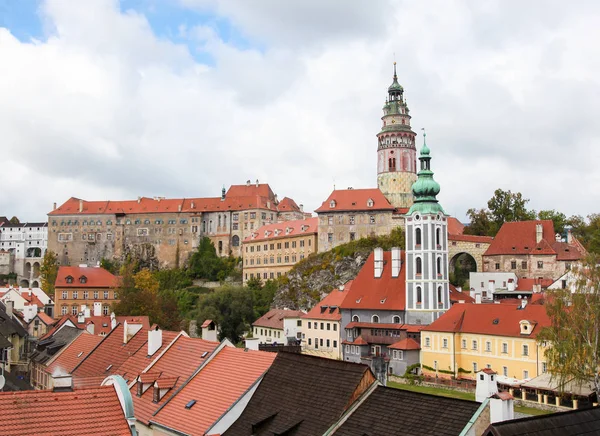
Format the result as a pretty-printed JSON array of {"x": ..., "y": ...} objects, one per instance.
[{"x": 378, "y": 339}]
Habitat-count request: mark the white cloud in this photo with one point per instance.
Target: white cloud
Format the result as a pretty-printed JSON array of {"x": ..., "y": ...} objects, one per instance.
[{"x": 103, "y": 108}]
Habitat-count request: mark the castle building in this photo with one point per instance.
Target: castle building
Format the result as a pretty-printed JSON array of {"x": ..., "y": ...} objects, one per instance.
[
  {"x": 396, "y": 151},
  {"x": 163, "y": 232},
  {"x": 22, "y": 247}
]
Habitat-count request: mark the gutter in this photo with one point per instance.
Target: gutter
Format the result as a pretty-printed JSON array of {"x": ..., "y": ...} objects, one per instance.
[{"x": 474, "y": 418}]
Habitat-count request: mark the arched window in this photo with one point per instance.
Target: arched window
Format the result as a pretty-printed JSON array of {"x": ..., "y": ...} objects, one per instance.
[
  {"x": 397, "y": 320},
  {"x": 220, "y": 245},
  {"x": 235, "y": 241},
  {"x": 439, "y": 266},
  {"x": 439, "y": 295},
  {"x": 419, "y": 295},
  {"x": 418, "y": 236},
  {"x": 419, "y": 265},
  {"x": 437, "y": 237},
  {"x": 355, "y": 318},
  {"x": 375, "y": 319}
]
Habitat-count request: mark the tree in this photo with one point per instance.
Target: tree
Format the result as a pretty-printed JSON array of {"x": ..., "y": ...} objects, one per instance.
[
  {"x": 262, "y": 296},
  {"x": 49, "y": 271},
  {"x": 15, "y": 220},
  {"x": 481, "y": 223},
  {"x": 506, "y": 207},
  {"x": 206, "y": 264},
  {"x": 110, "y": 265},
  {"x": 573, "y": 337},
  {"x": 558, "y": 218}
]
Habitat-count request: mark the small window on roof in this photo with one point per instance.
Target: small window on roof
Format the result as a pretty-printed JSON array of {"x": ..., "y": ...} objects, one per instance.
[
  {"x": 204, "y": 354},
  {"x": 332, "y": 204},
  {"x": 370, "y": 202},
  {"x": 190, "y": 404},
  {"x": 80, "y": 353},
  {"x": 83, "y": 279},
  {"x": 109, "y": 367},
  {"x": 69, "y": 279}
]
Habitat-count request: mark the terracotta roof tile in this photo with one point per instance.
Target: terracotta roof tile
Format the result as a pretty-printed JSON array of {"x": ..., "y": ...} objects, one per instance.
[
  {"x": 96, "y": 277},
  {"x": 456, "y": 296},
  {"x": 329, "y": 307},
  {"x": 455, "y": 227},
  {"x": 406, "y": 344},
  {"x": 385, "y": 293},
  {"x": 355, "y": 199},
  {"x": 526, "y": 284},
  {"x": 74, "y": 353},
  {"x": 274, "y": 318},
  {"x": 45, "y": 318},
  {"x": 81, "y": 412},
  {"x": 285, "y": 229},
  {"x": 491, "y": 319},
  {"x": 287, "y": 204},
  {"x": 215, "y": 388},
  {"x": 135, "y": 364}
]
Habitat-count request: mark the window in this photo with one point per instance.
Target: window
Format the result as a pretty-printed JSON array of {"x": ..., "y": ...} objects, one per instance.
[
  {"x": 464, "y": 343},
  {"x": 106, "y": 295},
  {"x": 86, "y": 295},
  {"x": 488, "y": 346},
  {"x": 474, "y": 345},
  {"x": 329, "y": 237},
  {"x": 497, "y": 266},
  {"x": 328, "y": 326},
  {"x": 334, "y": 344},
  {"x": 419, "y": 266},
  {"x": 328, "y": 344},
  {"x": 474, "y": 367},
  {"x": 439, "y": 295},
  {"x": 513, "y": 264},
  {"x": 524, "y": 264},
  {"x": 525, "y": 374},
  {"x": 439, "y": 267},
  {"x": 504, "y": 348},
  {"x": 427, "y": 342},
  {"x": 74, "y": 310},
  {"x": 334, "y": 327},
  {"x": 371, "y": 219},
  {"x": 299, "y": 323},
  {"x": 322, "y": 326},
  {"x": 435, "y": 364},
  {"x": 444, "y": 343},
  {"x": 419, "y": 296},
  {"x": 105, "y": 310},
  {"x": 438, "y": 239},
  {"x": 287, "y": 245},
  {"x": 544, "y": 367},
  {"x": 95, "y": 295},
  {"x": 115, "y": 295},
  {"x": 375, "y": 319},
  {"x": 540, "y": 264},
  {"x": 65, "y": 295},
  {"x": 505, "y": 371},
  {"x": 396, "y": 319},
  {"x": 355, "y": 318},
  {"x": 525, "y": 351},
  {"x": 75, "y": 295},
  {"x": 418, "y": 237}
]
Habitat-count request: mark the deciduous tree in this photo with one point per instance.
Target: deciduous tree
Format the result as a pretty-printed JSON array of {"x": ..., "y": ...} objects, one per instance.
[
  {"x": 49, "y": 271},
  {"x": 506, "y": 206}
]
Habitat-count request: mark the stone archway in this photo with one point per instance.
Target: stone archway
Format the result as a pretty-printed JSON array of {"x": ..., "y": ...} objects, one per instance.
[
  {"x": 461, "y": 264},
  {"x": 24, "y": 283},
  {"x": 35, "y": 284}
]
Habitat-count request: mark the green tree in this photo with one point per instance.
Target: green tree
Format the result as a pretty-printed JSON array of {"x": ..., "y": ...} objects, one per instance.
[
  {"x": 15, "y": 220},
  {"x": 206, "y": 264},
  {"x": 262, "y": 298},
  {"x": 506, "y": 206},
  {"x": 558, "y": 218},
  {"x": 231, "y": 308},
  {"x": 172, "y": 279},
  {"x": 49, "y": 271},
  {"x": 111, "y": 265},
  {"x": 573, "y": 337},
  {"x": 481, "y": 223}
]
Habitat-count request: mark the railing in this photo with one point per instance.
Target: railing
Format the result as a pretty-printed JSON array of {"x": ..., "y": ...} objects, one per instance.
[{"x": 280, "y": 347}]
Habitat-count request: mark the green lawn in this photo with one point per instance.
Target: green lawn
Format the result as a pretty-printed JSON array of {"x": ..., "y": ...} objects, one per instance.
[{"x": 458, "y": 394}]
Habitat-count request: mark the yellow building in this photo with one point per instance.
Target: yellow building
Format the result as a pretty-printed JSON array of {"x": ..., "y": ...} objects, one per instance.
[
  {"x": 272, "y": 250},
  {"x": 470, "y": 337}
]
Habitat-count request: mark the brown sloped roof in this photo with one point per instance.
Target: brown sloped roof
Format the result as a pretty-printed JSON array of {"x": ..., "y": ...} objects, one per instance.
[
  {"x": 301, "y": 394},
  {"x": 396, "y": 412},
  {"x": 273, "y": 319}
]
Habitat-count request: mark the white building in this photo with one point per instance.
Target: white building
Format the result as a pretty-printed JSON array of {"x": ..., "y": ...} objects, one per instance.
[
  {"x": 485, "y": 284},
  {"x": 27, "y": 244},
  {"x": 278, "y": 326}
]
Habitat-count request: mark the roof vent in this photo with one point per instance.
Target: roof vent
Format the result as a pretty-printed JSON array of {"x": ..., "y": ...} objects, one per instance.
[
  {"x": 204, "y": 354},
  {"x": 109, "y": 367},
  {"x": 190, "y": 404},
  {"x": 80, "y": 353},
  {"x": 496, "y": 321}
]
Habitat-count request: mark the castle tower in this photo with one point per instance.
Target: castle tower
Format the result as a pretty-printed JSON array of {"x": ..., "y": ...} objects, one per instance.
[
  {"x": 427, "y": 286},
  {"x": 396, "y": 152}
]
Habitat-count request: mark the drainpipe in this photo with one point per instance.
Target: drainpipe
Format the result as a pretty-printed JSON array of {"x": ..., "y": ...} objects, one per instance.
[
  {"x": 537, "y": 359},
  {"x": 454, "y": 353}
]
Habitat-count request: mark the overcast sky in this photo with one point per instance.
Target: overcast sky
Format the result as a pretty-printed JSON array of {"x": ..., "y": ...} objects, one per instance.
[{"x": 102, "y": 99}]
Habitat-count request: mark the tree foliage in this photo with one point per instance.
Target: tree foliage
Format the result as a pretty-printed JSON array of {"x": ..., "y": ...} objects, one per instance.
[
  {"x": 49, "y": 271},
  {"x": 558, "y": 218},
  {"x": 588, "y": 233},
  {"x": 481, "y": 223},
  {"x": 206, "y": 264},
  {"x": 573, "y": 337},
  {"x": 110, "y": 265},
  {"x": 15, "y": 220}
]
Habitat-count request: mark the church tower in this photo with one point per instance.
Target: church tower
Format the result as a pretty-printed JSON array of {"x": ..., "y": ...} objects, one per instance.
[
  {"x": 427, "y": 286},
  {"x": 396, "y": 152}
]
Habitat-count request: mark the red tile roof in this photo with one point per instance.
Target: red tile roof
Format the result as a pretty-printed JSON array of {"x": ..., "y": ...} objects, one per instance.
[
  {"x": 386, "y": 292},
  {"x": 206, "y": 323},
  {"x": 527, "y": 284},
  {"x": 55, "y": 327},
  {"x": 285, "y": 229},
  {"x": 91, "y": 411},
  {"x": 287, "y": 205},
  {"x": 520, "y": 238},
  {"x": 72, "y": 354},
  {"x": 216, "y": 387},
  {"x": 274, "y": 318},
  {"x": 329, "y": 307},
  {"x": 180, "y": 360},
  {"x": 406, "y": 344},
  {"x": 456, "y": 296},
  {"x": 355, "y": 200},
  {"x": 491, "y": 319},
  {"x": 357, "y": 341},
  {"x": 455, "y": 227},
  {"x": 96, "y": 277},
  {"x": 250, "y": 190},
  {"x": 471, "y": 238},
  {"x": 45, "y": 318}
]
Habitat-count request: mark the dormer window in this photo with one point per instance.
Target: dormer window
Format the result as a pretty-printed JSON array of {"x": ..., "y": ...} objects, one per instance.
[
  {"x": 526, "y": 327},
  {"x": 83, "y": 279},
  {"x": 288, "y": 230},
  {"x": 69, "y": 279},
  {"x": 332, "y": 204},
  {"x": 370, "y": 202}
]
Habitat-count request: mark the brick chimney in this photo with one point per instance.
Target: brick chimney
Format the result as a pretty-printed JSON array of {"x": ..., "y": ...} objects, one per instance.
[{"x": 54, "y": 206}]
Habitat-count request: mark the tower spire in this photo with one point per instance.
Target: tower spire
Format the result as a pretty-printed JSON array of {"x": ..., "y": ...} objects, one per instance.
[{"x": 425, "y": 189}]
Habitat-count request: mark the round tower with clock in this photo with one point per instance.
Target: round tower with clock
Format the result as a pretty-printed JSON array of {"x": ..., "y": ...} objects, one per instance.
[{"x": 396, "y": 151}]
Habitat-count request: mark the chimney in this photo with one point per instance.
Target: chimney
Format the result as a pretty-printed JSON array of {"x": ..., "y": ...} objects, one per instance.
[
  {"x": 193, "y": 206},
  {"x": 275, "y": 197},
  {"x": 139, "y": 200},
  {"x": 63, "y": 383},
  {"x": 524, "y": 303},
  {"x": 179, "y": 207},
  {"x": 396, "y": 261},
  {"x": 129, "y": 330},
  {"x": 154, "y": 340},
  {"x": 9, "y": 308},
  {"x": 477, "y": 298},
  {"x": 301, "y": 206},
  {"x": 223, "y": 192},
  {"x": 80, "y": 205},
  {"x": 569, "y": 234},
  {"x": 90, "y": 327},
  {"x": 486, "y": 386},
  {"x": 257, "y": 183},
  {"x": 539, "y": 233},
  {"x": 97, "y": 308},
  {"x": 54, "y": 206},
  {"x": 502, "y": 407},
  {"x": 80, "y": 318},
  {"x": 113, "y": 321},
  {"x": 511, "y": 284},
  {"x": 378, "y": 256},
  {"x": 248, "y": 182}
]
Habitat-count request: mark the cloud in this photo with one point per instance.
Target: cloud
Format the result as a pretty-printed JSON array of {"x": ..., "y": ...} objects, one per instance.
[{"x": 104, "y": 107}]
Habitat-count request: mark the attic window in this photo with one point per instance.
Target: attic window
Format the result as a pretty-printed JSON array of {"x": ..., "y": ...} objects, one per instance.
[
  {"x": 526, "y": 248},
  {"x": 369, "y": 202},
  {"x": 354, "y": 203},
  {"x": 496, "y": 321},
  {"x": 83, "y": 279},
  {"x": 382, "y": 301},
  {"x": 69, "y": 279},
  {"x": 190, "y": 404},
  {"x": 514, "y": 248},
  {"x": 332, "y": 204}
]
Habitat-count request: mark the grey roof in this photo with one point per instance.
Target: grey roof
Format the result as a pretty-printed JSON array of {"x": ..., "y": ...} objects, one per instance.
[
  {"x": 49, "y": 347},
  {"x": 10, "y": 326},
  {"x": 546, "y": 382},
  {"x": 396, "y": 412},
  {"x": 573, "y": 422}
]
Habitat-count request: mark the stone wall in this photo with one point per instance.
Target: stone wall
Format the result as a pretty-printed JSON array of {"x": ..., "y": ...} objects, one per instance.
[
  {"x": 475, "y": 249},
  {"x": 336, "y": 228}
]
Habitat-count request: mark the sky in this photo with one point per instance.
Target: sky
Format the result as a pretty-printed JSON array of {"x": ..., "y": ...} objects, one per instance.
[{"x": 107, "y": 99}]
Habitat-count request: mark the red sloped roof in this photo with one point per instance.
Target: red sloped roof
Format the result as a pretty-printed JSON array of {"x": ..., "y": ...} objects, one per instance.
[
  {"x": 250, "y": 190},
  {"x": 406, "y": 344},
  {"x": 179, "y": 361},
  {"x": 216, "y": 387},
  {"x": 455, "y": 227},
  {"x": 564, "y": 251},
  {"x": 96, "y": 277},
  {"x": 456, "y": 296},
  {"x": 355, "y": 199},
  {"x": 375, "y": 325},
  {"x": 357, "y": 341},
  {"x": 287, "y": 204},
  {"x": 471, "y": 238},
  {"x": 90, "y": 411},
  {"x": 521, "y": 235},
  {"x": 285, "y": 229},
  {"x": 274, "y": 318},
  {"x": 368, "y": 292},
  {"x": 490, "y": 319},
  {"x": 45, "y": 318},
  {"x": 329, "y": 307},
  {"x": 527, "y": 284},
  {"x": 74, "y": 353}
]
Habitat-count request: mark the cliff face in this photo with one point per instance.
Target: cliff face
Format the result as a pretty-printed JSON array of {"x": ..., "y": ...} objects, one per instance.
[{"x": 314, "y": 277}]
